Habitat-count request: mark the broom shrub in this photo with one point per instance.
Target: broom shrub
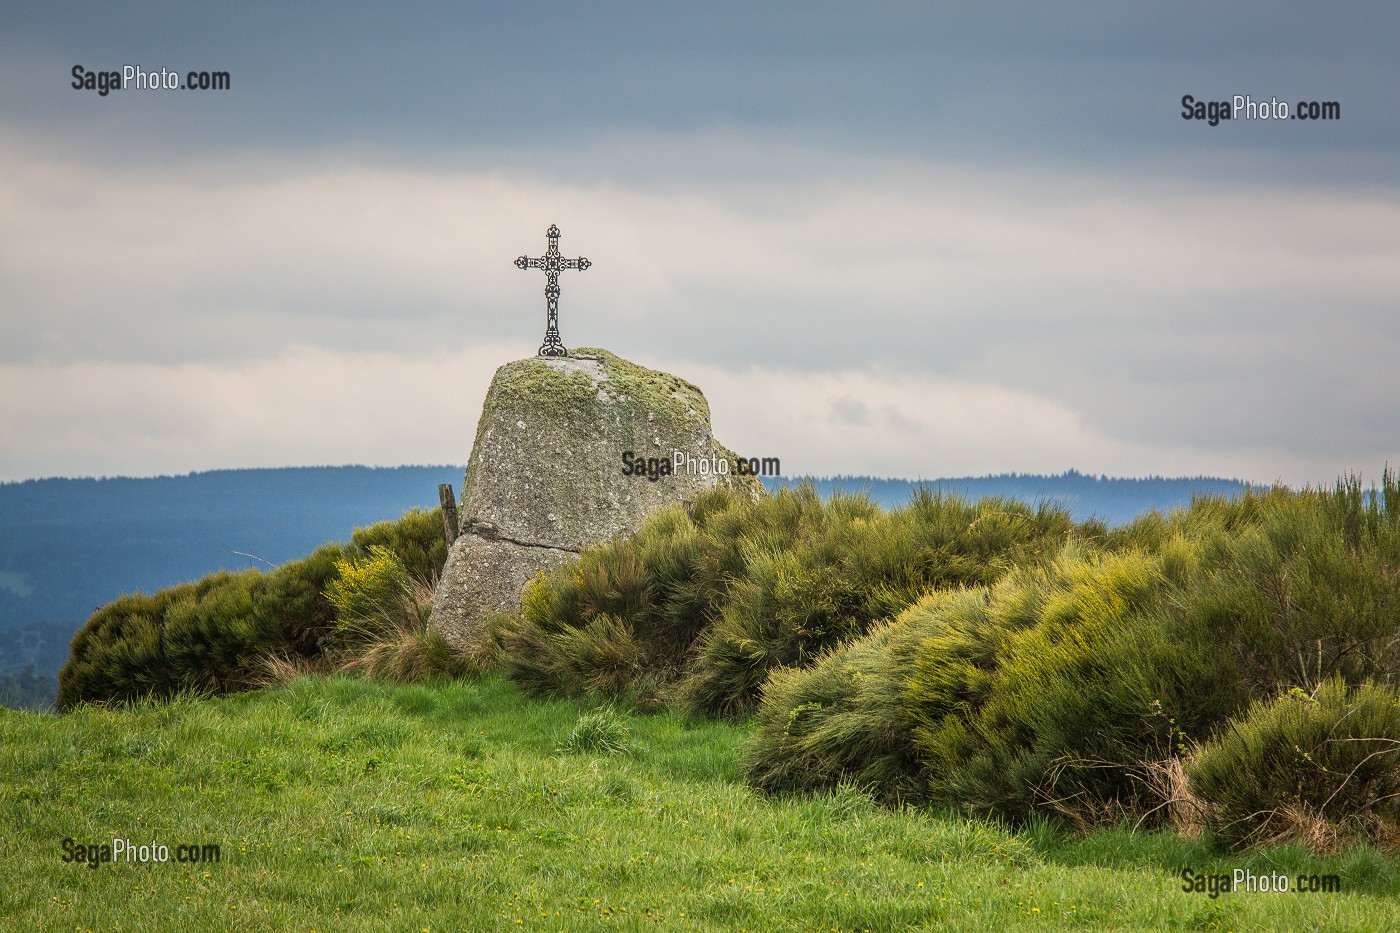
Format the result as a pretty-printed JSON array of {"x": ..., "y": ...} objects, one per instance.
[
  {"x": 1067, "y": 687},
  {"x": 210, "y": 636},
  {"x": 1330, "y": 759}
]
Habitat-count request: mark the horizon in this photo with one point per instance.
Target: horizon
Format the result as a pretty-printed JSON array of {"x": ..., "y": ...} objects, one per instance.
[{"x": 1070, "y": 472}]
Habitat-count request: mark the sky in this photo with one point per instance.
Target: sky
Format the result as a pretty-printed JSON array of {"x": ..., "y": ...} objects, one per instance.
[{"x": 894, "y": 239}]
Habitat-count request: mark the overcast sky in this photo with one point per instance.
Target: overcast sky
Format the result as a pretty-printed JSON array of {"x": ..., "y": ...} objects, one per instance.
[{"x": 884, "y": 238}]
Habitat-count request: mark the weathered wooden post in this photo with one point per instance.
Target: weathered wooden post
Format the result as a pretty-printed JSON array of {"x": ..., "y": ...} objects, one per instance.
[{"x": 449, "y": 512}]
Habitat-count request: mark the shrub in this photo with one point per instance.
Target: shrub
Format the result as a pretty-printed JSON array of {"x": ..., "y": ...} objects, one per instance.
[
  {"x": 624, "y": 618},
  {"x": 716, "y": 603},
  {"x": 840, "y": 720},
  {"x": 208, "y": 639},
  {"x": 1052, "y": 693},
  {"x": 292, "y": 597},
  {"x": 203, "y": 636},
  {"x": 368, "y": 591},
  {"x": 1075, "y": 687},
  {"x": 1303, "y": 592},
  {"x": 1300, "y": 764},
  {"x": 415, "y": 539},
  {"x": 384, "y": 620},
  {"x": 118, "y": 655},
  {"x": 214, "y": 635},
  {"x": 849, "y": 568},
  {"x": 398, "y": 641},
  {"x": 599, "y": 623}
]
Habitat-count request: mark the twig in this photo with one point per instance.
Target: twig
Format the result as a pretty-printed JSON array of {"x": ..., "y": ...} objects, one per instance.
[{"x": 253, "y": 556}]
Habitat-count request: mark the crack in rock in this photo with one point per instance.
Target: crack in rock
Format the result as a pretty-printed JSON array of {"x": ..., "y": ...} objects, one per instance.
[{"x": 488, "y": 531}]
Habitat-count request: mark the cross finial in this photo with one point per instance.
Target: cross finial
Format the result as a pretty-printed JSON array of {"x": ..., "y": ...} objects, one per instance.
[{"x": 552, "y": 262}]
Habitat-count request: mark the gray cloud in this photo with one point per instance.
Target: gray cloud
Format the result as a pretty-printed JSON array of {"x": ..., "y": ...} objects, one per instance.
[
  {"x": 1000, "y": 209},
  {"x": 1089, "y": 83}
]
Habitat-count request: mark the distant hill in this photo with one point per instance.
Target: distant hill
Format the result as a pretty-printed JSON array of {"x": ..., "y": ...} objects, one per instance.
[
  {"x": 1115, "y": 501},
  {"x": 68, "y": 546}
]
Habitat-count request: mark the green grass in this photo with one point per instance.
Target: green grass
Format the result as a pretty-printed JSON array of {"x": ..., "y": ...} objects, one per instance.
[{"x": 346, "y": 804}]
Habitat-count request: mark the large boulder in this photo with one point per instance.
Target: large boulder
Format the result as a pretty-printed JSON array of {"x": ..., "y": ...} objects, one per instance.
[{"x": 569, "y": 452}]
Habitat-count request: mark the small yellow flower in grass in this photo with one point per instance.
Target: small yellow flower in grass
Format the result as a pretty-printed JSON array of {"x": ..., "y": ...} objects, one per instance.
[{"x": 921, "y": 884}]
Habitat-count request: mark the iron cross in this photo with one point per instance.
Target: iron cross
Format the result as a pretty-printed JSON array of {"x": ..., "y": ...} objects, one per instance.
[{"x": 553, "y": 263}]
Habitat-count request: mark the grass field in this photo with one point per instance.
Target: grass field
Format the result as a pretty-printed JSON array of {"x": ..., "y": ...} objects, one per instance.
[{"x": 346, "y": 804}]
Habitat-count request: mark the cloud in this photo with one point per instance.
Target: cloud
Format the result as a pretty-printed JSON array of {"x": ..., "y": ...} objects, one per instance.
[
  {"x": 933, "y": 427},
  {"x": 316, "y": 406},
  {"x": 909, "y": 312},
  {"x": 308, "y": 406}
]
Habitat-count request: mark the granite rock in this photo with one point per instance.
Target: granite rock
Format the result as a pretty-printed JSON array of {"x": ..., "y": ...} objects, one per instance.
[{"x": 546, "y": 474}]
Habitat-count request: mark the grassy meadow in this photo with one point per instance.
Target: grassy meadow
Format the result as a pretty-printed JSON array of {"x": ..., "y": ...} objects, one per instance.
[{"x": 356, "y": 804}]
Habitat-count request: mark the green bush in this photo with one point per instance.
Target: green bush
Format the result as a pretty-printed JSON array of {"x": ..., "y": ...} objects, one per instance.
[
  {"x": 1296, "y": 761},
  {"x": 972, "y": 696},
  {"x": 1101, "y": 664},
  {"x": 1310, "y": 589},
  {"x": 1053, "y": 692},
  {"x": 624, "y": 618},
  {"x": 713, "y": 604},
  {"x": 383, "y": 625},
  {"x": 292, "y": 598},
  {"x": 850, "y": 568},
  {"x": 211, "y": 636},
  {"x": 1070, "y": 687},
  {"x": 207, "y": 636},
  {"x": 368, "y": 591},
  {"x": 838, "y": 721},
  {"x": 415, "y": 539},
  {"x": 118, "y": 655}
]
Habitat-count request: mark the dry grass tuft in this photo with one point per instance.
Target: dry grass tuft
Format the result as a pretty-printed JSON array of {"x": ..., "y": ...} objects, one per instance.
[
  {"x": 1187, "y": 813},
  {"x": 275, "y": 670},
  {"x": 398, "y": 642}
]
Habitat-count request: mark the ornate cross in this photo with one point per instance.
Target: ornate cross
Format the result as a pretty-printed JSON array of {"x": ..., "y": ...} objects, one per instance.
[{"x": 553, "y": 263}]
